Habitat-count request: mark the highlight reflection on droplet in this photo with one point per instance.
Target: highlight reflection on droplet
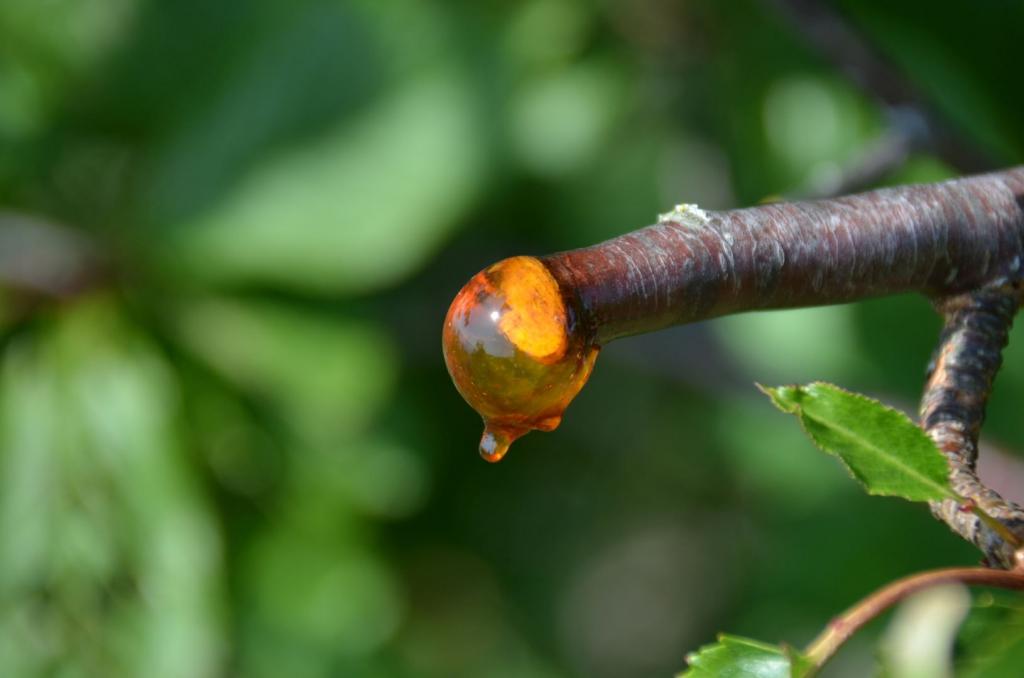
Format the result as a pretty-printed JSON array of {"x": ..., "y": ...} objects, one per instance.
[
  {"x": 495, "y": 443},
  {"x": 513, "y": 351}
]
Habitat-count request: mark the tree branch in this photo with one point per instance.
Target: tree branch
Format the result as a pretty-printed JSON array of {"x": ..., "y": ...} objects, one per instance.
[
  {"x": 939, "y": 239},
  {"x": 960, "y": 242},
  {"x": 953, "y": 409}
]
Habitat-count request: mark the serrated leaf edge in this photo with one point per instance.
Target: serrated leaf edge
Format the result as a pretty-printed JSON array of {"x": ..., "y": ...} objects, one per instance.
[{"x": 798, "y": 411}]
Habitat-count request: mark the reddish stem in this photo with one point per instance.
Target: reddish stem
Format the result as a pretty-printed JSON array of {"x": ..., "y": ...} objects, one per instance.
[{"x": 843, "y": 627}]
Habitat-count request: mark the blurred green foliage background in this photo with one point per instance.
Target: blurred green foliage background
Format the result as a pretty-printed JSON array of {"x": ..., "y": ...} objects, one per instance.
[{"x": 229, "y": 234}]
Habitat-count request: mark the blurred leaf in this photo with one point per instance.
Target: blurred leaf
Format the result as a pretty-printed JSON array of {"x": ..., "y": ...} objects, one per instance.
[
  {"x": 49, "y": 49},
  {"x": 382, "y": 479},
  {"x": 616, "y": 191},
  {"x": 895, "y": 337},
  {"x": 991, "y": 641},
  {"x": 22, "y": 104},
  {"x": 736, "y": 657},
  {"x": 294, "y": 71},
  {"x": 547, "y": 32},
  {"x": 240, "y": 449},
  {"x": 769, "y": 459},
  {"x": 561, "y": 120},
  {"x": 880, "y": 446},
  {"x": 919, "y": 640},
  {"x": 355, "y": 209},
  {"x": 71, "y": 34},
  {"x": 793, "y": 345},
  {"x": 109, "y": 559},
  {"x": 328, "y": 377},
  {"x": 1004, "y": 662},
  {"x": 331, "y": 593},
  {"x": 813, "y": 123}
]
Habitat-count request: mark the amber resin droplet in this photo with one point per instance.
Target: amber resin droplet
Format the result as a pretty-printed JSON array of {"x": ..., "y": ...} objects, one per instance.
[{"x": 513, "y": 351}]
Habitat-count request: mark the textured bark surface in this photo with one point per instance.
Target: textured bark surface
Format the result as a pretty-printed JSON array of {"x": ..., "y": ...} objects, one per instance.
[
  {"x": 953, "y": 409},
  {"x": 959, "y": 242},
  {"x": 936, "y": 238}
]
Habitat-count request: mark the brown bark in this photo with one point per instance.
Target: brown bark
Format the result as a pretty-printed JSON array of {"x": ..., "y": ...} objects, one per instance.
[
  {"x": 959, "y": 242},
  {"x": 953, "y": 410},
  {"x": 939, "y": 239}
]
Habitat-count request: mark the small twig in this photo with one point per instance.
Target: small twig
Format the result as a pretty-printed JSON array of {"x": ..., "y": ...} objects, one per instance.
[
  {"x": 843, "y": 627},
  {"x": 953, "y": 409},
  {"x": 906, "y": 131},
  {"x": 832, "y": 36},
  {"x": 880, "y": 158}
]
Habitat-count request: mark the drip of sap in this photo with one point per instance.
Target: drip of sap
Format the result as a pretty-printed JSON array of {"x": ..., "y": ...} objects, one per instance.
[{"x": 514, "y": 352}]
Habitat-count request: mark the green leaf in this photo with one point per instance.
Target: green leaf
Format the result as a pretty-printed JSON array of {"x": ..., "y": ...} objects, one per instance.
[
  {"x": 736, "y": 657},
  {"x": 357, "y": 207},
  {"x": 920, "y": 640},
  {"x": 800, "y": 665},
  {"x": 327, "y": 375},
  {"x": 881, "y": 447},
  {"x": 991, "y": 640},
  {"x": 97, "y": 490}
]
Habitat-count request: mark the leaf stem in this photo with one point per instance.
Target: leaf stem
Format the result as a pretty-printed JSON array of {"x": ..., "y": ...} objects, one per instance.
[{"x": 843, "y": 627}]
